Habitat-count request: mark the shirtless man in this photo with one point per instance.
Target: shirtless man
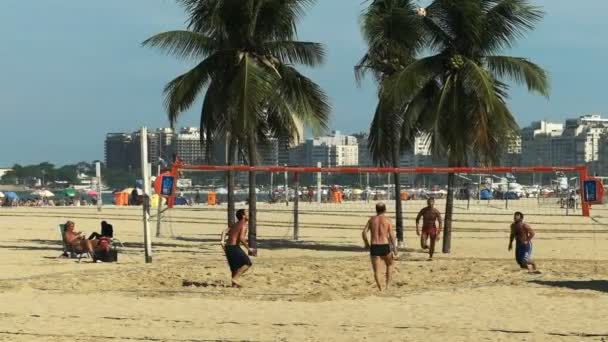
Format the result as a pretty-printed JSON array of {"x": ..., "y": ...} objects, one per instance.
[
  {"x": 236, "y": 235},
  {"x": 383, "y": 244},
  {"x": 523, "y": 234},
  {"x": 77, "y": 240},
  {"x": 429, "y": 216}
]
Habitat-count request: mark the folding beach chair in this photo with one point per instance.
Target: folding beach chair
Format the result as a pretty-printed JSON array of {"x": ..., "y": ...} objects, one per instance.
[{"x": 69, "y": 251}]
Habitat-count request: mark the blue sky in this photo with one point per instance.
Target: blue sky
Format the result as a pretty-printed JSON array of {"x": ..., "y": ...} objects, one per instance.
[{"x": 73, "y": 70}]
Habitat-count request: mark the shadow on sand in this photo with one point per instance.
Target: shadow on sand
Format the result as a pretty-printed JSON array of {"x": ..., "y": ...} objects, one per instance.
[
  {"x": 274, "y": 244},
  {"x": 593, "y": 285}
]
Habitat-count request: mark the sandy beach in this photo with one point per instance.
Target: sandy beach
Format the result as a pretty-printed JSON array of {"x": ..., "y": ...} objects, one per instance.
[{"x": 317, "y": 289}]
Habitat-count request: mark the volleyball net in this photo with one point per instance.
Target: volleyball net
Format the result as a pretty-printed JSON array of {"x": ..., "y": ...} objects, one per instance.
[{"x": 317, "y": 204}]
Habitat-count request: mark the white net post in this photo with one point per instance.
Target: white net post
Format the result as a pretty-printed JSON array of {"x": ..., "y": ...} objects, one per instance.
[
  {"x": 319, "y": 180},
  {"x": 145, "y": 172}
]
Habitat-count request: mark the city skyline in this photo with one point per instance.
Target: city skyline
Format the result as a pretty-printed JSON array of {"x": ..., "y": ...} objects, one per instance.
[{"x": 97, "y": 78}]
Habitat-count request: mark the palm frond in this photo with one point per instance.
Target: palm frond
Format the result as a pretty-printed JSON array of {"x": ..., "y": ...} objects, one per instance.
[
  {"x": 520, "y": 70},
  {"x": 480, "y": 83},
  {"x": 181, "y": 92},
  {"x": 295, "y": 52},
  {"x": 306, "y": 99},
  {"x": 404, "y": 84},
  {"x": 505, "y": 21},
  {"x": 183, "y": 44},
  {"x": 249, "y": 87}
]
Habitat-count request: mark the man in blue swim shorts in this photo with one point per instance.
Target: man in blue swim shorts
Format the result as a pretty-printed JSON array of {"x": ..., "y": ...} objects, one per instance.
[{"x": 523, "y": 234}]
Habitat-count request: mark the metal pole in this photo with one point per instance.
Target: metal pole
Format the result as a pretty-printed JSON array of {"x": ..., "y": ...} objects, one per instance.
[
  {"x": 98, "y": 176},
  {"x": 146, "y": 180},
  {"x": 479, "y": 190},
  {"x": 296, "y": 202},
  {"x": 367, "y": 192},
  {"x": 159, "y": 204},
  {"x": 388, "y": 187},
  {"x": 286, "y": 189},
  {"x": 271, "y": 192},
  {"x": 507, "y": 195},
  {"x": 319, "y": 184}
]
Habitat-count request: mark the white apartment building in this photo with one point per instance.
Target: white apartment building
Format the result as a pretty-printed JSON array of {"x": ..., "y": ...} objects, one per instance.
[
  {"x": 187, "y": 145},
  {"x": 332, "y": 151},
  {"x": 575, "y": 143},
  {"x": 536, "y": 142}
]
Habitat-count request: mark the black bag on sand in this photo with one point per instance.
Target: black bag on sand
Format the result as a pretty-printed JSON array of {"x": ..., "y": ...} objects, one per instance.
[{"x": 110, "y": 255}]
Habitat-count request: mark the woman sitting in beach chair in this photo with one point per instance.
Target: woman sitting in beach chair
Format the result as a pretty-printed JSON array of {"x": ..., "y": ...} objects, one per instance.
[
  {"x": 107, "y": 231},
  {"x": 77, "y": 241}
]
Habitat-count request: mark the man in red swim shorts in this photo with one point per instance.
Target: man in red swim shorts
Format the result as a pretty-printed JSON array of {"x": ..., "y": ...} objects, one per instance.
[{"x": 429, "y": 216}]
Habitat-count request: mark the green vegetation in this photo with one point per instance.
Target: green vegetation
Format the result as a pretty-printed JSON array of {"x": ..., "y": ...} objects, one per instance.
[{"x": 63, "y": 176}]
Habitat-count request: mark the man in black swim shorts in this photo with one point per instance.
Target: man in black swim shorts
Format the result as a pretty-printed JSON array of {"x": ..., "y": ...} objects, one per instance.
[
  {"x": 383, "y": 242},
  {"x": 236, "y": 235}
]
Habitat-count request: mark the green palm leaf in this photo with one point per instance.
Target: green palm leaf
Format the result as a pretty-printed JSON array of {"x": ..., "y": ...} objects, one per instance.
[
  {"x": 520, "y": 70},
  {"x": 182, "y": 44}
]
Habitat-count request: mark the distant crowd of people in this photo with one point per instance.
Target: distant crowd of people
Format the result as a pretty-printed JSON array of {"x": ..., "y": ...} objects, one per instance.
[{"x": 47, "y": 202}]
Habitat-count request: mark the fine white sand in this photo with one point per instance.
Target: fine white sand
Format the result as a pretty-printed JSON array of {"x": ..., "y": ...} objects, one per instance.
[{"x": 317, "y": 289}]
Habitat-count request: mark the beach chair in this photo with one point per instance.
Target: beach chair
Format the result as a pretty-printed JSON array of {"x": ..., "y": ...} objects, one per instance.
[{"x": 68, "y": 251}]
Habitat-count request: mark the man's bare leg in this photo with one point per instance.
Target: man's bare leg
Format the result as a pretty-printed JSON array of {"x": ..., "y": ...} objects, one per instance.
[
  {"x": 423, "y": 237},
  {"x": 376, "y": 268},
  {"x": 390, "y": 265},
  {"x": 237, "y": 274},
  {"x": 432, "y": 249},
  {"x": 532, "y": 267}
]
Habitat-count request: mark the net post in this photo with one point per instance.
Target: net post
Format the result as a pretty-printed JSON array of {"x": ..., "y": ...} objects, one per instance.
[
  {"x": 296, "y": 204},
  {"x": 582, "y": 176},
  {"x": 319, "y": 184},
  {"x": 286, "y": 189},
  {"x": 145, "y": 172},
  {"x": 98, "y": 187}
]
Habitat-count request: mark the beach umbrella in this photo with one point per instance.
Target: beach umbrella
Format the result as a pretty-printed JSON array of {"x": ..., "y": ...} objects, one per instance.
[
  {"x": 69, "y": 192},
  {"x": 43, "y": 193},
  {"x": 11, "y": 195},
  {"x": 91, "y": 193}
]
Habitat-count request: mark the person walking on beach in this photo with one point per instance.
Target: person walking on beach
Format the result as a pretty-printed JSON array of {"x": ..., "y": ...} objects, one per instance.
[
  {"x": 430, "y": 216},
  {"x": 523, "y": 234},
  {"x": 383, "y": 242},
  {"x": 236, "y": 235}
]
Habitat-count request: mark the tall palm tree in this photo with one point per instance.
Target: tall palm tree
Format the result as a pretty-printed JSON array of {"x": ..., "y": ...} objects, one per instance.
[
  {"x": 246, "y": 52},
  {"x": 392, "y": 33},
  {"x": 457, "y": 92}
]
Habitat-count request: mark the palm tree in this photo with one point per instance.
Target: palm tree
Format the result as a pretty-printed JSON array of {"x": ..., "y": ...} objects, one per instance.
[
  {"x": 246, "y": 52},
  {"x": 391, "y": 30},
  {"x": 457, "y": 92}
]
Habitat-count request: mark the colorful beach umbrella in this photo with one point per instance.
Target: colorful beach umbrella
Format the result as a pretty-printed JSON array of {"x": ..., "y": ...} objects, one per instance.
[
  {"x": 43, "y": 193},
  {"x": 69, "y": 192},
  {"x": 91, "y": 193},
  {"x": 11, "y": 195}
]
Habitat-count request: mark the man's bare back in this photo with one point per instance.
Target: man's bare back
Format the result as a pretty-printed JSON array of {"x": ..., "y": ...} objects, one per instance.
[
  {"x": 380, "y": 229},
  {"x": 383, "y": 242}
]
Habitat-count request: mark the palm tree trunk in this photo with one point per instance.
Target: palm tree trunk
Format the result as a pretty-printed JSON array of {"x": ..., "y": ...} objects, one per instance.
[
  {"x": 231, "y": 160},
  {"x": 252, "y": 197},
  {"x": 447, "y": 219},
  {"x": 398, "y": 203}
]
